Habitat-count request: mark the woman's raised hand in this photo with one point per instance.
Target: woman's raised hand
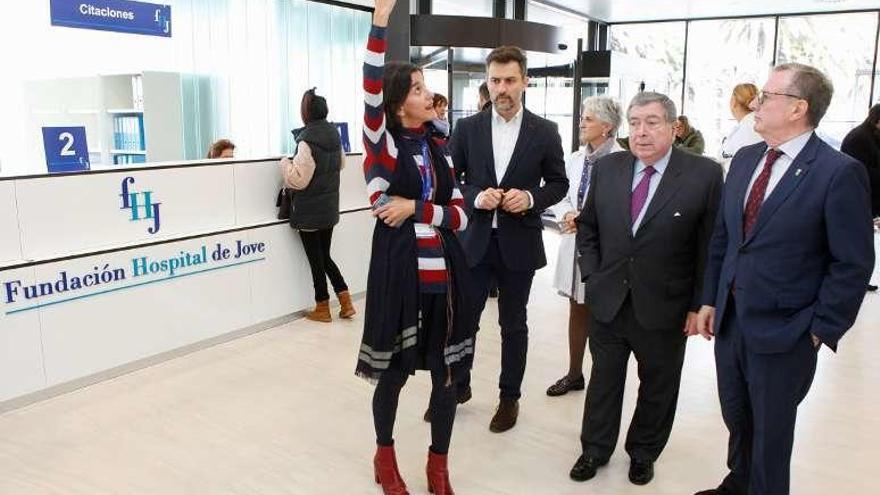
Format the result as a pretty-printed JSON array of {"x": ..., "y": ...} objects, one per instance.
[{"x": 383, "y": 12}]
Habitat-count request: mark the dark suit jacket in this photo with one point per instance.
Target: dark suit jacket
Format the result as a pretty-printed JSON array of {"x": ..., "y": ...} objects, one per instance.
[
  {"x": 662, "y": 266},
  {"x": 536, "y": 156},
  {"x": 806, "y": 263},
  {"x": 863, "y": 144}
]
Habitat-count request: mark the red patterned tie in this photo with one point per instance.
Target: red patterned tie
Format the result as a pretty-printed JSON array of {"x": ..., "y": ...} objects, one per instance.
[{"x": 756, "y": 195}]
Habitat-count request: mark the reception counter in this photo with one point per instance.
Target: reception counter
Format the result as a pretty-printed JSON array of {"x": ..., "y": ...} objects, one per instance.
[{"x": 105, "y": 272}]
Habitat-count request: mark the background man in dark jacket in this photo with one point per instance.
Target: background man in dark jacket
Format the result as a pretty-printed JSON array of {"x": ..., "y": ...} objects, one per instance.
[{"x": 863, "y": 144}]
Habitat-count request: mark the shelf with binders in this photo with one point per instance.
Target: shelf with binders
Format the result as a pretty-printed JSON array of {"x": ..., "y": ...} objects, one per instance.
[
  {"x": 129, "y": 158},
  {"x": 125, "y": 111},
  {"x": 128, "y": 138}
]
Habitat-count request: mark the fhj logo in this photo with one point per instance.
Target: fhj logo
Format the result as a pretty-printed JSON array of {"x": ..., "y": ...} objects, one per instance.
[{"x": 140, "y": 202}]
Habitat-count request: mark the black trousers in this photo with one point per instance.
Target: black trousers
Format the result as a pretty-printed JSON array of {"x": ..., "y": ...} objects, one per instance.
[
  {"x": 760, "y": 394},
  {"x": 660, "y": 355},
  {"x": 443, "y": 390},
  {"x": 513, "y": 297},
  {"x": 317, "y": 247}
]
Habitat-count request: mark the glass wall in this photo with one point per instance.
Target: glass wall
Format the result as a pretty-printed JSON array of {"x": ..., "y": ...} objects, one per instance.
[
  {"x": 552, "y": 98},
  {"x": 842, "y": 46},
  {"x": 231, "y": 69},
  {"x": 647, "y": 57},
  {"x": 720, "y": 55}
]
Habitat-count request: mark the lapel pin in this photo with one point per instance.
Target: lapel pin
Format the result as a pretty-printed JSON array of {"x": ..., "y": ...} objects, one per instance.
[
  {"x": 797, "y": 172},
  {"x": 677, "y": 214}
]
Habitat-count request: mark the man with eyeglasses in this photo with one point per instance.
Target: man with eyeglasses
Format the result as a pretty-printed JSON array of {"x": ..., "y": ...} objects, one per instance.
[
  {"x": 642, "y": 238},
  {"x": 790, "y": 256}
]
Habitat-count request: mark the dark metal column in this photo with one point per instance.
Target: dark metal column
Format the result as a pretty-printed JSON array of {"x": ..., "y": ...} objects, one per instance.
[
  {"x": 592, "y": 36},
  {"x": 398, "y": 34},
  {"x": 576, "y": 90},
  {"x": 450, "y": 57},
  {"x": 684, "y": 69},
  {"x": 520, "y": 9},
  {"x": 874, "y": 65},
  {"x": 499, "y": 8},
  {"x": 775, "y": 40}
]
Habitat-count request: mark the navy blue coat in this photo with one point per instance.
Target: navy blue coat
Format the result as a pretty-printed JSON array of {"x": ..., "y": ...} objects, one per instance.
[{"x": 806, "y": 263}]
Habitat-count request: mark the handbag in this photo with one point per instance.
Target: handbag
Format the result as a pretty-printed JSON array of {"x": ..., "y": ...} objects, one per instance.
[{"x": 282, "y": 202}]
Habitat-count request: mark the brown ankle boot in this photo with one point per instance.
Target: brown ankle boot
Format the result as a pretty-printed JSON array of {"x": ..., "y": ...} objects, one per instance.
[
  {"x": 387, "y": 474},
  {"x": 438, "y": 475},
  {"x": 321, "y": 312},
  {"x": 346, "y": 309}
]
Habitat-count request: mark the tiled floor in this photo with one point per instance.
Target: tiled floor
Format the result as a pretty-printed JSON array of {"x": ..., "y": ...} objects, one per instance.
[{"x": 281, "y": 412}]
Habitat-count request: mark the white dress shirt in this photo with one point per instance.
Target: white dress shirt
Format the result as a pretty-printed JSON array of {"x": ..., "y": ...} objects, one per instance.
[
  {"x": 660, "y": 168},
  {"x": 790, "y": 150},
  {"x": 504, "y": 136}
]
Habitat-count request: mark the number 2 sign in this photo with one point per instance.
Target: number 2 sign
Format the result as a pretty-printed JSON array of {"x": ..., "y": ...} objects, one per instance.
[{"x": 66, "y": 149}]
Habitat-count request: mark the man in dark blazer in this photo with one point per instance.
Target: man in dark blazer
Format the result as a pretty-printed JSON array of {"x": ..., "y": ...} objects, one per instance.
[
  {"x": 863, "y": 144},
  {"x": 510, "y": 165},
  {"x": 790, "y": 256},
  {"x": 642, "y": 239}
]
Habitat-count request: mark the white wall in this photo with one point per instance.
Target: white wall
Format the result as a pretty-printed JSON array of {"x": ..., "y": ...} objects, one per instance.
[{"x": 10, "y": 246}]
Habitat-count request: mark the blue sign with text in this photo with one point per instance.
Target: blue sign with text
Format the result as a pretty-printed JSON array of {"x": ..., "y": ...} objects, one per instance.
[
  {"x": 66, "y": 149},
  {"x": 122, "y": 16},
  {"x": 342, "y": 127}
]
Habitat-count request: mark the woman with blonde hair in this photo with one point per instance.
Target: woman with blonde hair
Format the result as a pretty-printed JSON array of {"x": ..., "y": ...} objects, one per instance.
[{"x": 743, "y": 133}]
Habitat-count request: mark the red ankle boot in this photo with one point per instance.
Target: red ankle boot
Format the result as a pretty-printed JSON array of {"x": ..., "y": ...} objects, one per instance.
[
  {"x": 387, "y": 474},
  {"x": 438, "y": 475}
]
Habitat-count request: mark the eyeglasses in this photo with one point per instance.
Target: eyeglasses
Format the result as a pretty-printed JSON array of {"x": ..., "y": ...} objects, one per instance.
[{"x": 762, "y": 96}]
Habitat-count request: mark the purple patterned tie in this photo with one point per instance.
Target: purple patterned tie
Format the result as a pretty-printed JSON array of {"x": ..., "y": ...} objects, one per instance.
[
  {"x": 585, "y": 182},
  {"x": 640, "y": 194}
]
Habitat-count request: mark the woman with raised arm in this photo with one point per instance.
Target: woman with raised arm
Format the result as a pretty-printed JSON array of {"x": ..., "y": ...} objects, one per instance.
[{"x": 417, "y": 314}]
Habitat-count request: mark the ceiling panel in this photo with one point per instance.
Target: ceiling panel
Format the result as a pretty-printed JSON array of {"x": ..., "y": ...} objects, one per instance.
[{"x": 648, "y": 10}]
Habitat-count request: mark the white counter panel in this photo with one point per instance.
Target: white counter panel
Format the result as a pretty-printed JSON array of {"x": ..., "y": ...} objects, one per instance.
[
  {"x": 284, "y": 282},
  {"x": 352, "y": 185},
  {"x": 65, "y": 215},
  {"x": 21, "y": 357},
  {"x": 256, "y": 187},
  {"x": 10, "y": 246},
  {"x": 77, "y": 314},
  {"x": 127, "y": 320}
]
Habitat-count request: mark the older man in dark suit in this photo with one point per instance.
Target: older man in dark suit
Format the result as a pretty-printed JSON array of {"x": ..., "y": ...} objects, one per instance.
[
  {"x": 642, "y": 237},
  {"x": 790, "y": 256}
]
